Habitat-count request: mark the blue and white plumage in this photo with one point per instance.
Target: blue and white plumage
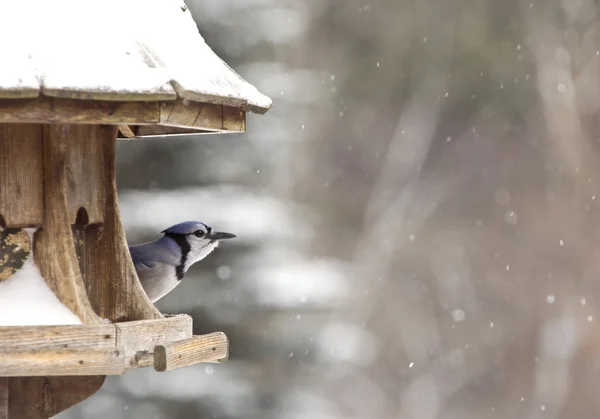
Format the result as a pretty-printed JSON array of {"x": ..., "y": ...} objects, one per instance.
[{"x": 162, "y": 263}]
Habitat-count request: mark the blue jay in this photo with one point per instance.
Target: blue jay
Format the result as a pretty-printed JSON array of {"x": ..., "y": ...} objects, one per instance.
[{"x": 162, "y": 263}]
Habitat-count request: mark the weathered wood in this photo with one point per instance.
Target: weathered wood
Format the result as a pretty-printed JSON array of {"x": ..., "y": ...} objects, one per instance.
[
  {"x": 142, "y": 131},
  {"x": 56, "y": 350},
  {"x": 112, "y": 283},
  {"x": 93, "y": 336},
  {"x": 55, "y": 110},
  {"x": 3, "y": 398},
  {"x": 127, "y": 131},
  {"x": 234, "y": 119},
  {"x": 21, "y": 189},
  {"x": 54, "y": 246},
  {"x": 213, "y": 347},
  {"x": 85, "y": 184},
  {"x": 44, "y": 397},
  {"x": 140, "y": 337},
  {"x": 204, "y": 116},
  {"x": 52, "y": 362}
]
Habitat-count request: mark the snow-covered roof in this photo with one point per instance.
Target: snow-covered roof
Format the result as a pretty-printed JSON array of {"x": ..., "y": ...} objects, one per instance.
[{"x": 115, "y": 50}]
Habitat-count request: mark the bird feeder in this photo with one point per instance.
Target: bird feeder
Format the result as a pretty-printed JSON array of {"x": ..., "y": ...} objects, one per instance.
[{"x": 70, "y": 86}]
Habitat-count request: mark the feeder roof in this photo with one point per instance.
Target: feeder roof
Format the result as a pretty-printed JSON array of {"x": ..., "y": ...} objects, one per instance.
[{"x": 119, "y": 51}]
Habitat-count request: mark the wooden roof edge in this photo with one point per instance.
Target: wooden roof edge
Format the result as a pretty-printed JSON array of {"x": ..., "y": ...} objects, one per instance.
[{"x": 179, "y": 116}]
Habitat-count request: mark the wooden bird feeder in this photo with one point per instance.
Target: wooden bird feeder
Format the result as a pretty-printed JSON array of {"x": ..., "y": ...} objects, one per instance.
[{"x": 71, "y": 85}]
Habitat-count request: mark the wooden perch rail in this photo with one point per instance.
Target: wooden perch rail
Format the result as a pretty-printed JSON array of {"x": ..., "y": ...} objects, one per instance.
[{"x": 106, "y": 349}]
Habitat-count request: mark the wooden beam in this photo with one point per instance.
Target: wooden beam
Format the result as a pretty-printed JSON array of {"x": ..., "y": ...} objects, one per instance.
[
  {"x": 48, "y": 350},
  {"x": 21, "y": 182},
  {"x": 52, "y": 362},
  {"x": 143, "y": 131},
  {"x": 76, "y": 111},
  {"x": 93, "y": 336},
  {"x": 213, "y": 347},
  {"x": 54, "y": 247},
  {"x": 172, "y": 113},
  {"x": 204, "y": 116},
  {"x": 127, "y": 131},
  {"x": 111, "y": 280},
  {"x": 139, "y": 338}
]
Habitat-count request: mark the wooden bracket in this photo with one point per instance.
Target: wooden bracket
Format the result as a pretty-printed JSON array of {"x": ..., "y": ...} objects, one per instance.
[{"x": 106, "y": 349}]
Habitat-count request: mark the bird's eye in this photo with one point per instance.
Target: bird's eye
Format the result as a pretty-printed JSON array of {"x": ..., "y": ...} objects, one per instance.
[{"x": 199, "y": 233}]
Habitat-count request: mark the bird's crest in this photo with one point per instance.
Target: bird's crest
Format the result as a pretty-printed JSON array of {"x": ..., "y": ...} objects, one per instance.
[{"x": 187, "y": 227}]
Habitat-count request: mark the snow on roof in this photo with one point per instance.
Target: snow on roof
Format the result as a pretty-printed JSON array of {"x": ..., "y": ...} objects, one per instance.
[{"x": 125, "y": 50}]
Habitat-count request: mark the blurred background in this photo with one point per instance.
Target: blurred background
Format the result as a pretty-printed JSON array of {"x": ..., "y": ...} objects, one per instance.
[{"x": 417, "y": 220}]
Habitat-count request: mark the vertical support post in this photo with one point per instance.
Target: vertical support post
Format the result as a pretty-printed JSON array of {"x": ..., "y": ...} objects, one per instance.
[
  {"x": 21, "y": 190},
  {"x": 111, "y": 280},
  {"x": 54, "y": 245}
]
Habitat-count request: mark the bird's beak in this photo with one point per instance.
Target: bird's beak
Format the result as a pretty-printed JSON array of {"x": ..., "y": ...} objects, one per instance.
[{"x": 219, "y": 235}]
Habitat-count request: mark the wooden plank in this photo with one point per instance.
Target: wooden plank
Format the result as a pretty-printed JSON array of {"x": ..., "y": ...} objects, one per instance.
[
  {"x": 234, "y": 119},
  {"x": 54, "y": 247},
  {"x": 213, "y": 347},
  {"x": 209, "y": 116},
  {"x": 143, "y": 131},
  {"x": 21, "y": 185},
  {"x": 44, "y": 397},
  {"x": 96, "y": 336},
  {"x": 58, "y": 362},
  {"x": 3, "y": 398},
  {"x": 127, "y": 131},
  {"x": 138, "y": 338},
  {"x": 112, "y": 283},
  {"x": 53, "y": 110},
  {"x": 204, "y": 116},
  {"x": 179, "y": 113},
  {"x": 85, "y": 184}
]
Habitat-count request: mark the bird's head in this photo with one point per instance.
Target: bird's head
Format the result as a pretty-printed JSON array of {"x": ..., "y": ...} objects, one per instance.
[{"x": 195, "y": 239}]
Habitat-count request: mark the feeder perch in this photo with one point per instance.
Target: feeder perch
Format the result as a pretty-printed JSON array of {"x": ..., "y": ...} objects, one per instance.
[{"x": 69, "y": 87}]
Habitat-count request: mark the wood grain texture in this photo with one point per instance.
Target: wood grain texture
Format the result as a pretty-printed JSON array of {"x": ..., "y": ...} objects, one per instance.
[
  {"x": 142, "y": 336},
  {"x": 62, "y": 111},
  {"x": 213, "y": 347},
  {"x": 54, "y": 248},
  {"x": 145, "y": 131},
  {"x": 21, "y": 188},
  {"x": 44, "y": 397},
  {"x": 60, "y": 362},
  {"x": 112, "y": 283},
  {"x": 204, "y": 116},
  {"x": 96, "y": 336},
  {"x": 127, "y": 131},
  {"x": 85, "y": 183}
]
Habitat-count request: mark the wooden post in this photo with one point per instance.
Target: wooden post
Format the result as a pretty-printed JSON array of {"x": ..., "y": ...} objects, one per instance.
[{"x": 3, "y": 398}]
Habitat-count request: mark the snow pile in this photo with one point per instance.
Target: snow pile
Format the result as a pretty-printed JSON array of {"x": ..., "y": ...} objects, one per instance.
[{"x": 26, "y": 299}]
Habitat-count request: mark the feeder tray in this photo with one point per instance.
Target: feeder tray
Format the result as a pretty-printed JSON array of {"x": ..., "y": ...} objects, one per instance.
[{"x": 70, "y": 87}]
